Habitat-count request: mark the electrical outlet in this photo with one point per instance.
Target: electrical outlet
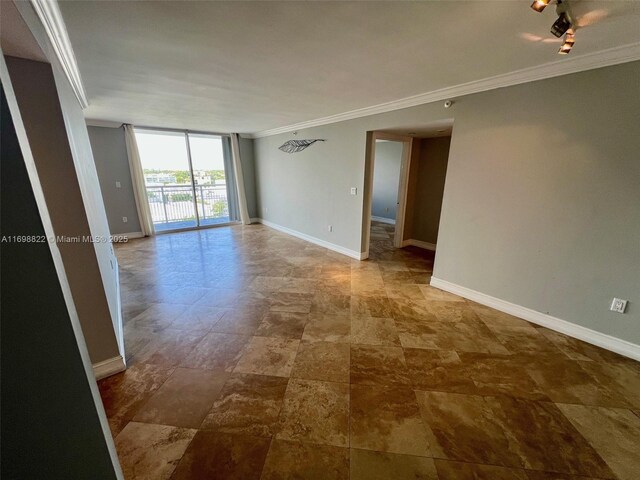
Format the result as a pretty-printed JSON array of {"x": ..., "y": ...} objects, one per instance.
[
  {"x": 125, "y": 219},
  {"x": 118, "y": 185},
  {"x": 618, "y": 305},
  {"x": 330, "y": 228},
  {"x": 386, "y": 210},
  {"x": 354, "y": 190}
]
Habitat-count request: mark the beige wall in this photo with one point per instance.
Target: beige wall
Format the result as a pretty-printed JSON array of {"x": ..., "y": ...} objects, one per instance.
[{"x": 541, "y": 201}]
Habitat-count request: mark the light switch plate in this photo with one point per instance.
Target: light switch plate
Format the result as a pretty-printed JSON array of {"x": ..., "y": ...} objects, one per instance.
[
  {"x": 354, "y": 190},
  {"x": 118, "y": 185}
]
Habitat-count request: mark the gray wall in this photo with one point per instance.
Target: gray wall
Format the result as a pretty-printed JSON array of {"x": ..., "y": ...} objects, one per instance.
[
  {"x": 112, "y": 164},
  {"x": 58, "y": 138},
  {"x": 541, "y": 203},
  {"x": 50, "y": 425},
  {"x": 386, "y": 178},
  {"x": 427, "y": 189},
  {"x": 248, "y": 172}
]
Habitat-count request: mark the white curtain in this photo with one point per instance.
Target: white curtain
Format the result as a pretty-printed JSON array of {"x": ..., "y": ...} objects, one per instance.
[
  {"x": 137, "y": 178},
  {"x": 237, "y": 168}
]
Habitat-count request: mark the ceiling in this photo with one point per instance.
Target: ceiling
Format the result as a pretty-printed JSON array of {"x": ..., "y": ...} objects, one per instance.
[{"x": 254, "y": 66}]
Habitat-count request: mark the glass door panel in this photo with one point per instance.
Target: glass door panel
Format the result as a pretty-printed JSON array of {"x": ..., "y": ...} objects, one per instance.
[
  {"x": 168, "y": 179},
  {"x": 210, "y": 178}
]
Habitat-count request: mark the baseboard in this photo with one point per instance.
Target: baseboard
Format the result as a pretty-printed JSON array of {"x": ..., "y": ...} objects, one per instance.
[
  {"x": 109, "y": 367},
  {"x": 390, "y": 221},
  {"x": 310, "y": 239},
  {"x": 125, "y": 237},
  {"x": 585, "y": 334},
  {"x": 419, "y": 244}
]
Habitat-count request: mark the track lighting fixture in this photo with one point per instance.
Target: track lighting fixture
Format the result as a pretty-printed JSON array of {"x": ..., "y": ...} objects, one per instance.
[
  {"x": 540, "y": 5},
  {"x": 564, "y": 23}
]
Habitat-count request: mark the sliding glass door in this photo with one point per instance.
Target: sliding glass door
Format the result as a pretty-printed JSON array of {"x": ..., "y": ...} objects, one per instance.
[
  {"x": 209, "y": 178},
  {"x": 188, "y": 178}
]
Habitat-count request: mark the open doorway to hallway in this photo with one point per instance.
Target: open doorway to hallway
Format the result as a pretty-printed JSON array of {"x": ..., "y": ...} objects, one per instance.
[{"x": 404, "y": 187}]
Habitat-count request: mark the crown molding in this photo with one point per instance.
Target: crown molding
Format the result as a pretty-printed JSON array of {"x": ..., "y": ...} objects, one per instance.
[
  {"x": 566, "y": 66},
  {"x": 49, "y": 14}
]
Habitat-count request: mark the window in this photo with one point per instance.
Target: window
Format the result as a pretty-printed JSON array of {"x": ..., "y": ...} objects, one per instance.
[{"x": 188, "y": 178}]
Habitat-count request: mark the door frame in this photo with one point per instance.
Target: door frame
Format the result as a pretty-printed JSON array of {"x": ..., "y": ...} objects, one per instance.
[{"x": 403, "y": 184}]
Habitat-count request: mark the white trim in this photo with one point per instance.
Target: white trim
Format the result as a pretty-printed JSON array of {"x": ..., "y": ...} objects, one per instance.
[
  {"x": 119, "y": 317},
  {"x": 109, "y": 367},
  {"x": 403, "y": 190},
  {"x": 49, "y": 13},
  {"x": 126, "y": 236},
  {"x": 419, "y": 244},
  {"x": 566, "y": 66},
  {"x": 593, "y": 337},
  {"x": 102, "y": 123},
  {"x": 310, "y": 239},
  {"x": 390, "y": 221}
]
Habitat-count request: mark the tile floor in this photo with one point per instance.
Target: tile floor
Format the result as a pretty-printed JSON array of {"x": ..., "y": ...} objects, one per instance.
[{"x": 253, "y": 354}]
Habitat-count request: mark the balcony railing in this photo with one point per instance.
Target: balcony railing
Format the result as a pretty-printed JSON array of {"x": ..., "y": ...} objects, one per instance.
[{"x": 172, "y": 205}]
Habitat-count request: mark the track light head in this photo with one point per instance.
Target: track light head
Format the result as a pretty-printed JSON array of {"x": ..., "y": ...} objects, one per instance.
[
  {"x": 566, "y": 47},
  {"x": 561, "y": 25},
  {"x": 539, "y": 5}
]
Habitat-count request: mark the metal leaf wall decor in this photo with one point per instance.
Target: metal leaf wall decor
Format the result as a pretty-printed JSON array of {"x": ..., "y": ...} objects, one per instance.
[{"x": 294, "y": 146}]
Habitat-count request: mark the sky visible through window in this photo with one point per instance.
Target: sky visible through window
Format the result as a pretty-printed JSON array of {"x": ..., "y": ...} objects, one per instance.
[{"x": 168, "y": 151}]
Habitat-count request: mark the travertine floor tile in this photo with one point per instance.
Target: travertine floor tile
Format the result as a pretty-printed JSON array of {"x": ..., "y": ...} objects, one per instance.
[
  {"x": 613, "y": 432},
  {"x": 328, "y": 328},
  {"x": 151, "y": 451},
  {"x": 218, "y": 456},
  {"x": 291, "y": 302},
  {"x": 248, "y": 404},
  {"x": 159, "y": 315},
  {"x": 124, "y": 393},
  {"x": 268, "y": 356},
  {"x": 448, "y": 470},
  {"x": 565, "y": 381},
  {"x": 282, "y": 324},
  {"x": 184, "y": 399},
  {"x": 217, "y": 351},
  {"x": 240, "y": 321},
  {"x": 370, "y": 465},
  {"x": 168, "y": 347},
  {"x": 198, "y": 318},
  {"x": 509, "y": 432},
  {"x": 316, "y": 412},
  {"x": 378, "y": 365},
  {"x": 374, "y": 331},
  {"x": 331, "y": 304},
  {"x": 325, "y": 361},
  {"x": 292, "y": 460},
  {"x": 387, "y": 419}
]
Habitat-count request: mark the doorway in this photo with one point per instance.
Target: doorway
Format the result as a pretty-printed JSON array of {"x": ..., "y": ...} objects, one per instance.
[
  {"x": 385, "y": 190},
  {"x": 187, "y": 179},
  {"x": 419, "y": 187}
]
